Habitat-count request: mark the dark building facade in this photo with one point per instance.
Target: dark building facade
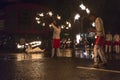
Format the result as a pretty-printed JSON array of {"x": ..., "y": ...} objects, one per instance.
[
  {"x": 20, "y": 19},
  {"x": 17, "y": 22}
]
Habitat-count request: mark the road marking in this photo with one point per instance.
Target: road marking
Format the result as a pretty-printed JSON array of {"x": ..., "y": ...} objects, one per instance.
[{"x": 98, "y": 69}]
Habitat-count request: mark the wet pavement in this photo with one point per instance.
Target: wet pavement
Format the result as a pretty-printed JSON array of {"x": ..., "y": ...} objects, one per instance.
[{"x": 69, "y": 66}]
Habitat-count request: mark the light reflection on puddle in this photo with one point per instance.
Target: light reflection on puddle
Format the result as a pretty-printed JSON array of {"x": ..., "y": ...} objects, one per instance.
[{"x": 23, "y": 56}]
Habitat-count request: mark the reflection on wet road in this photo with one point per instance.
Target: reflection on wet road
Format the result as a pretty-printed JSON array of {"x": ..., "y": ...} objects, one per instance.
[
  {"x": 40, "y": 66},
  {"x": 64, "y": 53},
  {"x": 76, "y": 53},
  {"x": 29, "y": 56},
  {"x": 21, "y": 56}
]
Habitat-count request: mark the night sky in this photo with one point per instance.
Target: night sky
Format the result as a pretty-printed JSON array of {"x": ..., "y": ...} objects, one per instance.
[{"x": 108, "y": 10}]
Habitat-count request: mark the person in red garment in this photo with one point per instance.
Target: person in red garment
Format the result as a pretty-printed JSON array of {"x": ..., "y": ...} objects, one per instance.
[
  {"x": 99, "y": 42},
  {"x": 108, "y": 45},
  {"x": 56, "y": 39},
  {"x": 116, "y": 45}
]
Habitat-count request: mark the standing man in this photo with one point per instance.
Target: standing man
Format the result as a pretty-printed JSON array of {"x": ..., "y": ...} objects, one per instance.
[
  {"x": 108, "y": 45},
  {"x": 56, "y": 38},
  {"x": 99, "y": 42},
  {"x": 116, "y": 45}
]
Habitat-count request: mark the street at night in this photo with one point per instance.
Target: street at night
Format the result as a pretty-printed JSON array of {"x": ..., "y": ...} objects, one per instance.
[
  {"x": 40, "y": 66},
  {"x": 59, "y": 40}
]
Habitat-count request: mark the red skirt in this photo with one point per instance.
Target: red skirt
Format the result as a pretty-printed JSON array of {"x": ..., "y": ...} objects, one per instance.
[
  {"x": 108, "y": 43},
  {"x": 116, "y": 43},
  {"x": 56, "y": 43},
  {"x": 100, "y": 40}
]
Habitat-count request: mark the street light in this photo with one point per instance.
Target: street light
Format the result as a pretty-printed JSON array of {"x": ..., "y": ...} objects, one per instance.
[
  {"x": 85, "y": 12},
  {"x": 82, "y": 6},
  {"x": 93, "y": 24},
  {"x": 88, "y": 11},
  {"x": 77, "y": 16}
]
